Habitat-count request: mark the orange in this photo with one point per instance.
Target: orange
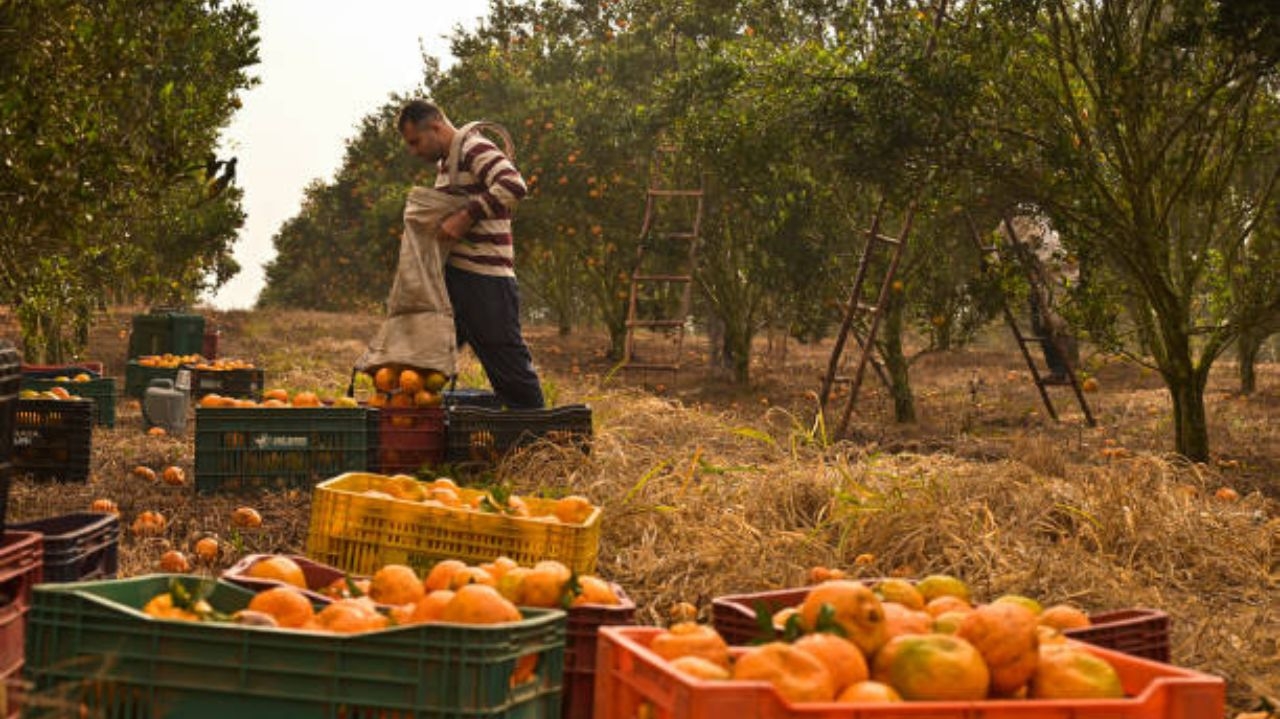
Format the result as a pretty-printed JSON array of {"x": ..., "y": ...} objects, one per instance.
[
  {"x": 246, "y": 517},
  {"x": 411, "y": 382},
  {"x": 161, "y": 606},
  {"x": 471, "y": 575},
  {"x": 784, "y": 615},
  {"x": 146, "y": 473},
  {"x": 941, "y": 605},
  {"x": 691, "y": 639},
  {"x": 435, "y": 381},
  {"x": 1068, "y": 672},
  {"x": 104, "y": 505},
  {"x": 386, "y": 379},
  {"x": 428, "y": 608},
  {"x": 942, "y": 585},
  {"x": 1027, "y": 602},
  {"x": 869, "y": 693},
  {"x": 276, "y": 393},
  {"x": 279, "y": 568},
  {"x": 511, "y": 585},
  {"x": 157, "y": 431},
  {"x": 174, "y": 476},
  {"x": 796, "y": 674},
  {"x": 901, "y": 620},
  {"x": 1064, "y": 616},
  {"x": 594, "y": 590},
  {"x": 841, "y": 657},
  {"x": 820, "y": 574},
  {"x": 148, "y": 524},
  {"x": 932, "y": 667},
  {"x": 479, "y": 604},
  {"x": 901, "y": 591},
  {"x": 348, "y": 616},
  {"x": 427, "y": 398},
  {"x": 544, "y": 586},
  {"x": 442, "y": 573},
  {"x": 573, "y": 509},
  {"x": 499, "y": 567},
  {"x": 857, "y": 611},
  {"x": 289, "y": 607},
  {"x": 174, "y": 561},
  {"x": 306, "y": 399},
  {"x": 206, "y": 549},
  {"x": 395, "y": 584},
  {"x": 699, "y": 668},
  {"x": 1005, "y": 635},
  {"x": 949, "y": 622}
]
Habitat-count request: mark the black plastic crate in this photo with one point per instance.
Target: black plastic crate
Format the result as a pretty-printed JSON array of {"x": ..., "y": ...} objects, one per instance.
[
  {"x": 163, "y": 331},
  {"x": 10, "y": 383},
  {"x": 53, "y": 439},
  {"x": 241, "y": 449},
  {"x": 468, "y": 397},
  {"x": 6, "y": 479},
  {"x": 239, "y": 383},
  {"x": 101, "y": 390},
  {"x": 78, "y": 547},
  {"x": 475, "y": 434}
]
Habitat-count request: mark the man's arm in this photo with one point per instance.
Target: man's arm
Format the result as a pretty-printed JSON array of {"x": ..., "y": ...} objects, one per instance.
[{"x": 503, "y": 187}]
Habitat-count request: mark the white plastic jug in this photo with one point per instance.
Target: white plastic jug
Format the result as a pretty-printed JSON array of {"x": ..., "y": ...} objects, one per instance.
[{"x": 163, "y": 405}]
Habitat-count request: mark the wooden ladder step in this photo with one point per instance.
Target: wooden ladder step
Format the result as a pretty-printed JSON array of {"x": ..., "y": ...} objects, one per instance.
[
  {"x": 662, "y": 278},
  {"x": 651, "y": 366},
  {"x": 674, "y": 193},
  {"x": 884, "y": 238},
  {"x": 655, "y": 323}
]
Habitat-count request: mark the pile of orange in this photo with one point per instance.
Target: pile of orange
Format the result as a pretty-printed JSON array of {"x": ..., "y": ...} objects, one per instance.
[
  {"x": 169, "y": 361},
  {"x": 444, "y": 492},
  {"x": 407, "y": 387},
  {"x": 274, "y": 398},
  {"x": 222, "y": 365},
  {"x": 903, "y": 641}
]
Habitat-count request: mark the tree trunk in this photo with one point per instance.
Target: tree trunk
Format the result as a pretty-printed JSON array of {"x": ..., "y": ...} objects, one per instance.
[
  {"x": 1191, "y": 431},
  {"x": 737, "y": 351},
  {"x": 1247, "y": 347},
  {"x": 895, "y": 360}
]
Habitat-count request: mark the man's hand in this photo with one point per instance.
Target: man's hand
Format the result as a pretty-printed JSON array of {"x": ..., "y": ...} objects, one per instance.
[{"x": 455, "y": 226}]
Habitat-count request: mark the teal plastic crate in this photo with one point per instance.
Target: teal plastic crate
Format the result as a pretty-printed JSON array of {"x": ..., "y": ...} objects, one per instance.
[
  {"x": 91, "y": 650},
  {"x": 241, "y": 449},
  {"x": 102, "y": 391},
  {"x": 166, "y": 332},
  {"x": 138, "y": 377}
]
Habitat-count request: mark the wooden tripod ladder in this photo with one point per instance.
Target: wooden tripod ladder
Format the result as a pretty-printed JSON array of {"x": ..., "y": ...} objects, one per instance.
[
  {"x": 858, "y": 313},
  {"x": 662, "y": 281},
  {"x": 993, "y": 257}
]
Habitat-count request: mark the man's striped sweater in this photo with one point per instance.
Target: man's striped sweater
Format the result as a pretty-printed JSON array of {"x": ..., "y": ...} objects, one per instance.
[{"x": 494, "y": 187}]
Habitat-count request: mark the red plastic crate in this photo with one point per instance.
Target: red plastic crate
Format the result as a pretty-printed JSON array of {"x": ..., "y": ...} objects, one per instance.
[
  {"x": 13, "y": 690},
  {"x": 1137, "y": 632},
  {"x": 21, "y": 564},
  {"x": 409, "y": 437},
  {"x": 632, "y": 681},
  {"x": 318, "y": 576}
]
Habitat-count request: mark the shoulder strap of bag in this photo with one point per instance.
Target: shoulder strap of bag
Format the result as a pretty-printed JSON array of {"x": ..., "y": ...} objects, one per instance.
[{"x": 455, "y": 147}]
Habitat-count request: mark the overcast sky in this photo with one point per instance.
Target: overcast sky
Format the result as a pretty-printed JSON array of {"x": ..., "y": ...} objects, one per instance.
[{"x": 325, "y": 64}]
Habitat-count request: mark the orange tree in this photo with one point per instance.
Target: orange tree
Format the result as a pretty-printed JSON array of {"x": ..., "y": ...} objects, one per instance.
[
  {"x": 1148, "y": 131},
  {"x": 110, "y": 111}
]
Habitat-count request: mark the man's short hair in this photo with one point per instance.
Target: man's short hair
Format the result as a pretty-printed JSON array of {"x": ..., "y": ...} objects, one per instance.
[{"x": 418, "y": 112}]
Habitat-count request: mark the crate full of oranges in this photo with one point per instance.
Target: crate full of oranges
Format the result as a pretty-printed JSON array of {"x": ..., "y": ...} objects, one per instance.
[{"x": 411, "y": 419}]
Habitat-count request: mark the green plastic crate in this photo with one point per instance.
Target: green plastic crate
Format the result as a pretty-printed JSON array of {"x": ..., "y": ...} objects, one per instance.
[
  {"x": 102, "y": 391},
  {"x": 138, "y": 377},
  {"x": 239, "y": 449},
  {"x": 164, "y": 332},
  {"x": 89, "y": 646}
]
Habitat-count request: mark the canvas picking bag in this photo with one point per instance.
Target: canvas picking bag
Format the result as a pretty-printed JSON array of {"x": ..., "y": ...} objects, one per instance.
[{"x": 419, "y": 330}]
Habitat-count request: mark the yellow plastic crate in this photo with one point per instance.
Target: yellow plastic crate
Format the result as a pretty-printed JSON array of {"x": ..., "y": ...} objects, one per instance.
[{"x": 360, "y": 533}]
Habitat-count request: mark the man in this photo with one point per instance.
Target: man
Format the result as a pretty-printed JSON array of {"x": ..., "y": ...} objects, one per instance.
[
  {"x": 1051, "y": 273},
  {"x": 480, "y": 274}
]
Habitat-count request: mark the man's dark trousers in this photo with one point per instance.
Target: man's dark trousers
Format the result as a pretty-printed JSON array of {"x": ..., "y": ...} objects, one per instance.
[{"x": 486, "y": 313}]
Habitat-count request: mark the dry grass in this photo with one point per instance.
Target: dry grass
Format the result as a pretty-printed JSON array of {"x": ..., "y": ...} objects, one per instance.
[{"x": 715, "y": 490}]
